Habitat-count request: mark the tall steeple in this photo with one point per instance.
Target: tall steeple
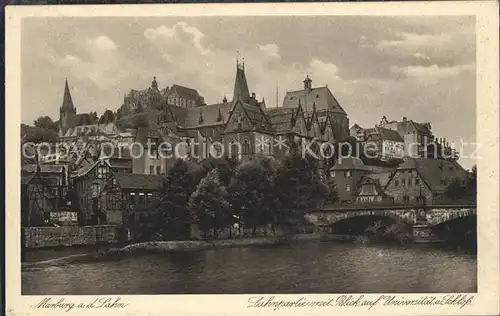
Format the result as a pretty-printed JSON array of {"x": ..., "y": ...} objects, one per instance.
[
  {"x": 240, "y": 83},
  {"x": 67, "y": 104},
  {"x": 67, "y": 111}
]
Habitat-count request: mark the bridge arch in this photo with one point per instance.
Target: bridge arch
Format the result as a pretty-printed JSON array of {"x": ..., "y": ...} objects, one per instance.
[
  {"x": 329, "y": 218},
  {"x": 439, "y": 216}
]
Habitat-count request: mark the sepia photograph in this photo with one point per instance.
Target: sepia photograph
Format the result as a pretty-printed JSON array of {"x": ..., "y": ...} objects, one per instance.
[{"x": 246, "y": 154}]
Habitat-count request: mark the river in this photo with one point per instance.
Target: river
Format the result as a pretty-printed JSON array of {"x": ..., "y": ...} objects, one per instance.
[{"x": 303, "y": 267}]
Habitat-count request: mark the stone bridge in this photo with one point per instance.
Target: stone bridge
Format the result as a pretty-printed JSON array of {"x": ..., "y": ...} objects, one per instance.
[{"x": 422, "y": 217}]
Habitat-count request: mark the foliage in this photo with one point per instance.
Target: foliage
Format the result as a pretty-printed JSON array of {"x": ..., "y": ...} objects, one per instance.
[
  {"x": 465, "y": 189},
  {"x": 383, "y": 232},
  {"x": 45, "y": 122},
  {"x": 37, "y": 134},
  {"x": 333, "y": 196},
  {"x": 251, "y": 191},
  {"x": 178, "y": 186},
  {"x": 209, "y": 206},
  {"x": 301, "y": 187},
  {"x": 107, "y": 117}
]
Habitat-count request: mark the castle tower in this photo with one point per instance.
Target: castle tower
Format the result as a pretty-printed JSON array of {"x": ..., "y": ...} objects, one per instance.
[
  {"x": 241, "y": 90},
  {"x": 67, "y": 111}
]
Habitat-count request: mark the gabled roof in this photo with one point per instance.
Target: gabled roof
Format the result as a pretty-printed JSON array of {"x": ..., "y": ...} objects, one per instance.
[
  {"x": 389, "y": 134},
  {"x": 145, "y": 182},
  {"x": 213, "y": 114},
  {"x": 186, "y": 93},
  {"x": 31, "y": 168},
  {"x": 434, "y": 171},
  {"x": 259, "y": 121},
  {"x": 281, "y": 119},
  {"x": 83, "y": 171},
  {"x": 321, "y": 96}
]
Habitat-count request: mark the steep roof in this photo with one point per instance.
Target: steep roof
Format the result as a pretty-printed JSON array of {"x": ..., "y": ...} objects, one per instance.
[
  {"x": 381, "y": 178},
  {"x": 240, "y": 85},
  {"x": 139, "y": 181},
  {"x": 86, "y": 169},
  {"x": 281, "y": 118},
  {"x": 436, "y": 173},
  {"x": 321, "y": 96},
  {"x": 67, "y": 104},
  {"x": 389, "y": 134},
  {"x": 213, "y": 114},
  {"x": 186, "y": 93},
  {"x": 259, "y": 121}
]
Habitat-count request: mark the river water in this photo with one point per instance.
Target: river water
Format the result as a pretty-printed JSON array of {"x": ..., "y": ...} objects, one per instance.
[{"x": 303, "y": 267}]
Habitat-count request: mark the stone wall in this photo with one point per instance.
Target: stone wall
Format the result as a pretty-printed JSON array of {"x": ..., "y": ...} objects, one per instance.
[{"x": 38, "y": 237}]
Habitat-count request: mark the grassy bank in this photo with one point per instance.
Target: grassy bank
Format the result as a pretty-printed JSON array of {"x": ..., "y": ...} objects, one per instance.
[{"x": 170, "y": 246}]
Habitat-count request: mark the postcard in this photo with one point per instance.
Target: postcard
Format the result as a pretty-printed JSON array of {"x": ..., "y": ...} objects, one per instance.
[{"x": 252, "y": 159}]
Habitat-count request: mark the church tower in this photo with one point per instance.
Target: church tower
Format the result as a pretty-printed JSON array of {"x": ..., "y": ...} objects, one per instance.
[
  {"x": 241, "y": 90},
  {"x": 67, "y": 112}
]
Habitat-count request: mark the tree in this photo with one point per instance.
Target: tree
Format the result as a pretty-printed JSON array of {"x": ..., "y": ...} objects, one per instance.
[
  {"x": 45, "y": 122},
  {"x": 209, "y": 205},
  {"x": 301, "y": 187},
  {"x": 37, "y": 134},
  {"x": 463, "y": 189},
  {"x": 250, "y": 192},
  {"x": 107, "y": 117},
  {"x": 178, "y": 186}
]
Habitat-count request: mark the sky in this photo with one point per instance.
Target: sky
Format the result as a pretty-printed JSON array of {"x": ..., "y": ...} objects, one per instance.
[{"x": 422, "y": 68}]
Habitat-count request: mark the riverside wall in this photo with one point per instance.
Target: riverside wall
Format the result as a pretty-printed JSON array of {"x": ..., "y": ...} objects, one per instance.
[{"x": 63, "y": 236}]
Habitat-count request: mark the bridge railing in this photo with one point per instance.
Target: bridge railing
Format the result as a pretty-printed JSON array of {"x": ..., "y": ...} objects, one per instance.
[{"x": 438, "y": 201}]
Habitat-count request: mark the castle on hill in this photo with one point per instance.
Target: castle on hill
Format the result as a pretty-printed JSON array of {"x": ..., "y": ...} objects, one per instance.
[{"x": 243, "y": 125}]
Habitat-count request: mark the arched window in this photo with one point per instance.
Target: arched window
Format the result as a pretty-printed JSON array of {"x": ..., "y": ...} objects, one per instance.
[
  {"x": 234, "y": 149},
  {"x": 246, "y": 146}
]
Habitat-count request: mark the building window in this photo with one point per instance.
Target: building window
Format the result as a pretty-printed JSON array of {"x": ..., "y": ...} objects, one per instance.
[
  {"x": 403, "y": 182},
  {"x": 133, "y": 202},
  {"x": 151, "y": 169},
  {"x": 142, "y": 200},
  {"x": 396, "y": 183},
  {"x": 158, "y": 170},
  {"x": 417, "y": 181},
  {"x": 348, "y": 187},
  {"x": 246, "y": 146},
  {"x": 332, "y": 174},
  {"x": 348, "y": 174},
  {"x": 102, "y": 172},
  {"x": 409, "y": 182}
]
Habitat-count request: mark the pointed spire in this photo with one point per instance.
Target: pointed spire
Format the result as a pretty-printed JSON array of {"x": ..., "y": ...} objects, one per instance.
[
  {"x": 219, "y": 116},
  {"x": 240, "y": 84},
  {"x": 314, "y": 106},
  {"x": 67, "y": 104},
  {"x": 154, "y": 83}
]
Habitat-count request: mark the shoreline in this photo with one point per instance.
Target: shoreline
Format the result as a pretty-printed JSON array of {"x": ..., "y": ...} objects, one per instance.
[{"x": 151, "y": 247}]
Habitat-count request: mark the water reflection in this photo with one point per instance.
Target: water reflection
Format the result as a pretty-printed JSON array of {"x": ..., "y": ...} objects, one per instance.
[{"x": 306, "y": 267}]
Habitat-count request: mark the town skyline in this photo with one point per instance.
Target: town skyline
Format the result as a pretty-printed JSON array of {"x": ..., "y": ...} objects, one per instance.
[{"x": 398, "y": 71}]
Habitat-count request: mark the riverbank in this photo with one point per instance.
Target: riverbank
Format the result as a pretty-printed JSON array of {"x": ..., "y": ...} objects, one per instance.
[{"x": 170, "y": 246}]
